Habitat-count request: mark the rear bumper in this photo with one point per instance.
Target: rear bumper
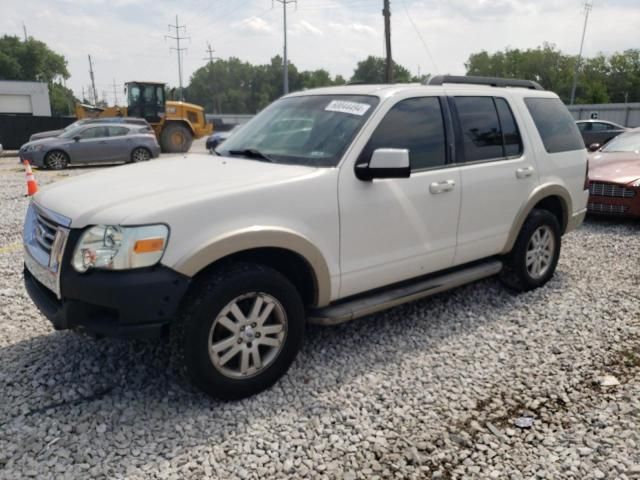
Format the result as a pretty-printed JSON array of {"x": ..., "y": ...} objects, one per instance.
[{"x": 134, "y": 304}]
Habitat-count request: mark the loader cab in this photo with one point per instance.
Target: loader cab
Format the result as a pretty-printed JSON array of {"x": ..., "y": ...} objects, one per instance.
[{"x": 146, "y": 100}]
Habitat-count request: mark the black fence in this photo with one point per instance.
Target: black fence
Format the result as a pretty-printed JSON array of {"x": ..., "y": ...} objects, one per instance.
[{"x": 15, "y": 130}]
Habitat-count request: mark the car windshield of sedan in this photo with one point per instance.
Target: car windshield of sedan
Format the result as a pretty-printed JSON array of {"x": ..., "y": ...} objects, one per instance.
[
  {"x": 627, "y": 142},
  {"x": 310, "y": 130}
]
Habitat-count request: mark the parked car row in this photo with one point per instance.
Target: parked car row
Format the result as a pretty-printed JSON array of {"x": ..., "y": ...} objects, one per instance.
[{"x": 91, "y": 141}]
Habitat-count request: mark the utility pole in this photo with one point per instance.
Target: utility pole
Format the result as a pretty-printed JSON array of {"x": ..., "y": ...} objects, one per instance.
[
  {"x": 83, "y": 95},
  {"x": 179, "y": 50},
  {"x": 24, "y": 29},
  {"x": 285, "y": 70},
  {"x": 386, "y": 12},
  {"x": 210, "y": 51},
  {"x": 587, "y": 8},
  {"x": 93, "y": 82},
  {"x": 115, "y": 93}
]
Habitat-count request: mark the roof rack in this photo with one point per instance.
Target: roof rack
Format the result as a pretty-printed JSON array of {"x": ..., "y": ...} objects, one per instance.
[{"x": 491, "y": 81}]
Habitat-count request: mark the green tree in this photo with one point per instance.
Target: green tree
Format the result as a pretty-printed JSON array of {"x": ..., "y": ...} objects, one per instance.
[
  {"x": 372, "y": 70},
  {"x": 32, "y": 60}
]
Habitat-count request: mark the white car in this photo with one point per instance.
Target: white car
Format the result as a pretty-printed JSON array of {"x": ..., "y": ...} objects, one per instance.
[{"x": 389, "y": 194}]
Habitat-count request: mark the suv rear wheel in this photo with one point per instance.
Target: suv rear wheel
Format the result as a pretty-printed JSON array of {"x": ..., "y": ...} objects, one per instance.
[
  {"x": 240, "y": 330},
  {"x": 535, "y": 254}
]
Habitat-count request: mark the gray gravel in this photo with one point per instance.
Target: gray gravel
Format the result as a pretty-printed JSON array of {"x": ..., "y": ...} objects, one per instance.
[{"x": 428, "y": 390}]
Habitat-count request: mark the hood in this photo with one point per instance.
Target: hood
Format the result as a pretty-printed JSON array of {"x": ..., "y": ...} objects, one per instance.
[
  {"x": 48, "y": 133},
  {"x": 615, "y": 167},
  {"x": 44, "y": 141},
  {"x": 124, "y": 194}
]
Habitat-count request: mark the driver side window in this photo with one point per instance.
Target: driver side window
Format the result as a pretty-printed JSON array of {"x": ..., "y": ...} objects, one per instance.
[{"x": 415, "y": 124}]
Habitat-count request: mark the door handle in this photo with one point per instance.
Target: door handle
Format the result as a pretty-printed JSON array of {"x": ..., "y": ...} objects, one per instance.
[
  {"x": 441, "y": 187},
  {"x": 524, "y": 172}
]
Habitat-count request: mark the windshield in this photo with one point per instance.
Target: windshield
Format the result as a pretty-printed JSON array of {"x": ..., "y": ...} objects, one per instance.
[
  {"x": 627, "y": 142},
  {"x": 75, "y": 124},
  {"x": 307, "y": 130}
]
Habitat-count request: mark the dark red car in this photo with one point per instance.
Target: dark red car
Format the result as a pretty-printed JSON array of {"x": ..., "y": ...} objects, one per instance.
[{"x": 614, "y": 177}]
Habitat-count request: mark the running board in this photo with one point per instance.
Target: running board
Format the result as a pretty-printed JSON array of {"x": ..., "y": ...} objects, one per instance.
[{"x": 376, "y": 302}]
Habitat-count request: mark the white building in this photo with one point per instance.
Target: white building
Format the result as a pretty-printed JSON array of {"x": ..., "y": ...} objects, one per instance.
[{"x": 24, "y": 98}]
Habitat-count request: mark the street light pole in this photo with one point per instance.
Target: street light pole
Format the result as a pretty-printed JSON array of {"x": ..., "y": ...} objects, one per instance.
[{"x": 587, "y": 8}]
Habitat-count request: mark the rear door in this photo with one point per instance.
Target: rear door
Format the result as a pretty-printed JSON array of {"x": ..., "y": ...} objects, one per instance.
[
  {"x": 120, "y": 143},
  {"x": 498, "y": 173}
]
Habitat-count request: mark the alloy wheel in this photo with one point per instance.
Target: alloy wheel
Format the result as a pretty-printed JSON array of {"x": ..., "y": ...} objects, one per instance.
[
  {"x": 247, "y": 335},
  {"x": 540, "y": 251}
]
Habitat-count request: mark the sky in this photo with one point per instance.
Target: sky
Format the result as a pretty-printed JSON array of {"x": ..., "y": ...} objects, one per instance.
[{"x": 126, "y": 38}]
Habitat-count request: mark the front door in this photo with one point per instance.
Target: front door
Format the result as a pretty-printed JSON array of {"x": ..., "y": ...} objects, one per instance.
[
  {"x": 91, "y": 146},
  {"x": 395, "y": 229}
]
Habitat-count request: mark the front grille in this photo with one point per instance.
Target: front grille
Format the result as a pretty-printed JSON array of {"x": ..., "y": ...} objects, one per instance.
[
  {"x": 45, "y": 232},
  {"x": 607, "y": 208},
  {"x": 610, "y": 190}
]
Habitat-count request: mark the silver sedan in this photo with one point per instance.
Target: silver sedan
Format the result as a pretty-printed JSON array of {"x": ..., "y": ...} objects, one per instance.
[{"x": 93, "y": 143}]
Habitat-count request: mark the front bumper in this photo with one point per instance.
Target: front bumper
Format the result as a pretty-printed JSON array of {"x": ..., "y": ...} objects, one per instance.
[
  {"x": 35, "y": 158},
  {"x": 614, "y": 200},
  {"x": 137, "y": 303}
]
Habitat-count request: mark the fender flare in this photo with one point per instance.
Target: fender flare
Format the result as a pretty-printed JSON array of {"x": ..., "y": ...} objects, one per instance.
[
  {"x": 261, "y": 237},
  {"x": 538, "y": 194}
]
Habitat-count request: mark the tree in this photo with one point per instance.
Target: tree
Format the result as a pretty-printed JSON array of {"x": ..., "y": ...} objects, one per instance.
[
  {"x": 601, "y": 79},
  {"x": 372, "y": 70},
  {"x": 32, "y": 60}
]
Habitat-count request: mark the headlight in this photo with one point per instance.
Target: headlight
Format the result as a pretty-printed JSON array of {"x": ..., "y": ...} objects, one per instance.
[
  {"x": 636, "y": 183},
  {"x": 112, "y": 247},
  {"x": 33, "y": 148}
]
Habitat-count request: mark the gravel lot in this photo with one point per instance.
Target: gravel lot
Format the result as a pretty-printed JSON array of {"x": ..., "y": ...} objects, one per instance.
[{"x": 427, "y": 390}]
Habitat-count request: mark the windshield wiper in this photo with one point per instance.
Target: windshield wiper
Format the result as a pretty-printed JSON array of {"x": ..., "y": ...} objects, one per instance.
[{"x": 252, "y": 153}]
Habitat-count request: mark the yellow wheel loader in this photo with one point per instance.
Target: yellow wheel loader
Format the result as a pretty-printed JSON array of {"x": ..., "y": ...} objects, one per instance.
[{"x": 176, "y": 124}]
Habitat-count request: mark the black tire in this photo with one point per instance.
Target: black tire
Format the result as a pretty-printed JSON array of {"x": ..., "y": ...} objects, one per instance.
[
  {"x": 56, "y": 160},
  {"x": 175, "y": 138},
  {"x": 139, "y": 154},
  {"x": 194, "y": 331},
  {"x": 516, "y": 274}
]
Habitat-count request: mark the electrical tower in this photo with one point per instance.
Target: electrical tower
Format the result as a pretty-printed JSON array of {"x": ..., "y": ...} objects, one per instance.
[
  {"x": 210, "y": 51},
  {"x": 115, "y": 93},
  {"x": 179, "y": 49},
  {"x": 386, "y": 12},
  {"x": 285, "y": 70},
  {"x": 93, "y": 82},
  {"x": 587, "y": 8}
]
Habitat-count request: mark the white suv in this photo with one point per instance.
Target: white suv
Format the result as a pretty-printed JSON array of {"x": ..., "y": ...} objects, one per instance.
[{"x": 329, "y": 205}]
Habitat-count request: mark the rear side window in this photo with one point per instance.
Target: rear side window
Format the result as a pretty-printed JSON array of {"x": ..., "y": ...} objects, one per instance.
[
  {"x": 510, "y": 132},
  {"x": 414, "y": 124},
  {"x": 556, "y": 126},
  {"x": 117, "y": 131},
  {"x": 481, "y": 133}
]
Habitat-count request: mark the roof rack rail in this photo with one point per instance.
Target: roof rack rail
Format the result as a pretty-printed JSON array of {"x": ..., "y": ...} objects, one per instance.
[{"x": 492, "y": 81}]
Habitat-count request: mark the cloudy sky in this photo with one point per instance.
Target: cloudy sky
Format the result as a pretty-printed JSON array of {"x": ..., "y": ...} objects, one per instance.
[{"x": 126, "y": 38}]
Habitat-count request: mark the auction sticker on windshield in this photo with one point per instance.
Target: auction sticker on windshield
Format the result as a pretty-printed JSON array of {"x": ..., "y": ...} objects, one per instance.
[{"x": 343, "y": 106}]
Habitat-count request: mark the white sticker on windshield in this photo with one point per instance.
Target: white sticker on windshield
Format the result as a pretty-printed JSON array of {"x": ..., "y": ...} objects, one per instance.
[{"x": 344, "y": 106}]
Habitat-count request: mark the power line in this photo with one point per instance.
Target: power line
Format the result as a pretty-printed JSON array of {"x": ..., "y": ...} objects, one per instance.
[
  {"x": 587, "y": 8},
  {"x": 178, "y": 49},
  {"x": 285, "y": 70},
  {"x": 424, "y": 44}
]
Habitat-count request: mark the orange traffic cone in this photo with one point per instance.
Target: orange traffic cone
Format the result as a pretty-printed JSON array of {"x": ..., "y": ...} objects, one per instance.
[{"x": 32, "y": 185}]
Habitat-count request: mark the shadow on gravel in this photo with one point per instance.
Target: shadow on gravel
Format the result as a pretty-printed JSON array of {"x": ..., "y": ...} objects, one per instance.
[{"x": 119, "y": 388}]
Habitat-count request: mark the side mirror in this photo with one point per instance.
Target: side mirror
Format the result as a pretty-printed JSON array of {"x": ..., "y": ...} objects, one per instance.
[
  {"x": 594, "y": 146},
  {"x": 385, "y": 163},
  {"x": 77, "y": 138}
]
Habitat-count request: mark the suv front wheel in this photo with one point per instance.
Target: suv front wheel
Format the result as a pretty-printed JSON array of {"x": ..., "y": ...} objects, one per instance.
[
  {"x": 534, "y": 257},
  {"x": 240, "y": 330}
]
